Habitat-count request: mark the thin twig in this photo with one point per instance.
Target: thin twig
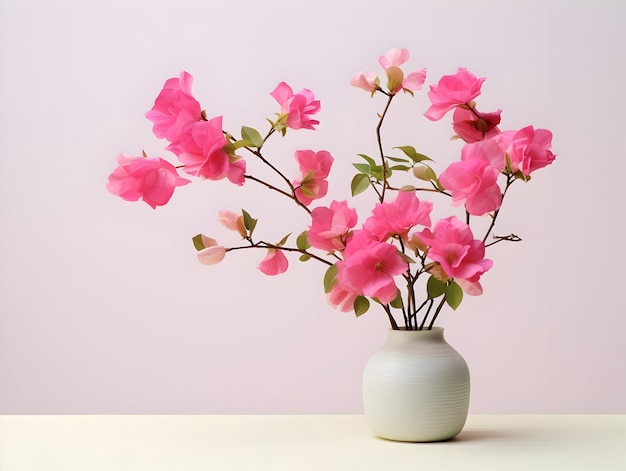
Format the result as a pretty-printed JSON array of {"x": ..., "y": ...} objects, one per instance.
[
  {"x": 432, "y": 322},
  {"x": 266, "y": 245}
]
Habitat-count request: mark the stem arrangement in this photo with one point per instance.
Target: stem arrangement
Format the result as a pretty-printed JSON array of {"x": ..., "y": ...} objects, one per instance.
[{"x": 398, "y": 241}]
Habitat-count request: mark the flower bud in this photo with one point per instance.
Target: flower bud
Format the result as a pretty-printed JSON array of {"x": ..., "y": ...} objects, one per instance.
[
  {"x": 212, "y": 255},
  {"x": 232, "y": 221},
  {"x": 421, "y": 172},
  {"x": 395, "y": 76}
]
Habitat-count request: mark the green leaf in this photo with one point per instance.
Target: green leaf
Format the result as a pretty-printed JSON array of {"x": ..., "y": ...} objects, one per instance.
[
  {"x": 302, "y": 242},
  {"x": 248, "y": 221},
  {"x": 363, "y": 168},
  {"x": 361, "y": 305},
  {"x": 404, "y": 168},
  {"x": 422, "y": 157},
  {"x": 305, "y": 257},
  {"x": 252, "y": 135},
  {"x": 397, "y": 159},
  {"x": 409, "y": 151},
  {"x": 413, "y": 154},
  {"x": 397, "y": 302},
  {"x": 197, "y": 242},
  {"x": 368, "y": 159},
  {"x": 359, "y": 183},
  {"x": 330, "y": 278},
  {"x": 283, "y": 240},
  {"x": 454, "y": 295},
  {"x": 243, "y": 143},
  {"x": 377, "y": 172},
  {"x": 435, "y": 287}
]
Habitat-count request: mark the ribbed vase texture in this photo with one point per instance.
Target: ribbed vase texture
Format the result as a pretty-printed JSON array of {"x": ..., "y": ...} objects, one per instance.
[{"x": 416, "y": 388}]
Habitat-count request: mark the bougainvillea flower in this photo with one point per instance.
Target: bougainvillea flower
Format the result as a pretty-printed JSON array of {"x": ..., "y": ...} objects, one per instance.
[
  {"x": 414, "y": 80},
  {"x": 472, "y": 126},
  {"x": 298, "y": 107},
  {"x": 398, "y": 217},
  {"x": 490, "y": 150},
  {"x": 369, "y": 266},
  {"x": 212, "y": 252},
  {"x": 315, "y": 167},
  {"x": 391, "y": 62},
  {"x": 236, "y": 170},
  {"x": 396, "y": 80},
  {"x": 233, "y": 221},
  {"x": 274, "y": 263},
  {"x": 366, "y": 80},
  {"x": 528, "y": 149},
  {"x": 459, "y": 255},
  {"x": 330, "y": 226},
  {"x": 452, "y": 91},
  {"x": 152, "y": 179},
  {"x": 475, "y": 182},
  {"x": 395, "y": 57},
  {"x": 340, "y": 298},
  {"x": 202, "y": 148},
  {"x": 174, "y": 108}
]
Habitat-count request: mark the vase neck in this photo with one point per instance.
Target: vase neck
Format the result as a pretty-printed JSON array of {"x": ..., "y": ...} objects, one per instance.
[{"x": 411, "y": 336}]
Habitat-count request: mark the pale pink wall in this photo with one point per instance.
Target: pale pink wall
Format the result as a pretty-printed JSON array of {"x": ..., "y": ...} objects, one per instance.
[{"x": 103, "y": 308}]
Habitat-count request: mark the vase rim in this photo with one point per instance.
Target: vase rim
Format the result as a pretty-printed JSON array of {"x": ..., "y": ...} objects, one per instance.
[{"x": 403, "y": 329}]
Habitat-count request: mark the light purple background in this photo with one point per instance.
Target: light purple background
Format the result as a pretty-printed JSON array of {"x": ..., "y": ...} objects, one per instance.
[{"x": 103, "y": 306}]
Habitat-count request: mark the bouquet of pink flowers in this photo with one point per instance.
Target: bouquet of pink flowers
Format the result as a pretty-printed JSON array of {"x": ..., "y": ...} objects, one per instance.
[{"x": 397, "y": 245}]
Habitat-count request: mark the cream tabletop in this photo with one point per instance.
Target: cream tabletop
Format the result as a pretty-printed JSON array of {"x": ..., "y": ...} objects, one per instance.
[{"x": 304, "y": 442}]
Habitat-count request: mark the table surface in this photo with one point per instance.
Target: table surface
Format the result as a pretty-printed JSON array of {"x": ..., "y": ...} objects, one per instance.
[{"x": 304, "y": 442}]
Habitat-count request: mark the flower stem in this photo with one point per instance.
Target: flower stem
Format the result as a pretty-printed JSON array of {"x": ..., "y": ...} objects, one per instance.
[
  {"x": 421, "y": 327},
  {"x": 257, "y": 153},
  {"x": 380, "y": 146},
  {"x": 432, "y": 322},
  {"x": 394, "y": 324},
  {"x": 509, "y": 181},
  {"x": 268, "y": 185},
  {"x": 266, "y": 245}
]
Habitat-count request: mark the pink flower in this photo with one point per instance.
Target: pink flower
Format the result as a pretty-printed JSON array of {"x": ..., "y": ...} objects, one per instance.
[
  {"x": 151, "y": 179},
  {"x": 330, "y": 226},
  {"x": 414, "y": 80},
  {"x": 368, "y": 268},
  {"x": 398, "y": 217},
  {"x": 315, "y": 167},
  {"x": 342, "y": 299},
  {"x": 475, "y": 126},
  {"x": 391, "y": 62},
  {"x": 473, "y": 180},
  {"x": 528, "y": 149},
  {"x": 212, "y": 252},
  {"x": 233, "y": 221},
  {"x": 396, "y": 79},
  {"x": 236, "y": 170},
  {"x": 459, "y": 255},
  {"x": 174, "y": 108},
  {"x": 367, "y": 81},
  {"x": 274, "y": 263},
  {"x": 202, "y": 149},
  {"x": 395, "y": 57},
  {"x": 451, "y": 91},
  {"x": 299, "y": 107}
]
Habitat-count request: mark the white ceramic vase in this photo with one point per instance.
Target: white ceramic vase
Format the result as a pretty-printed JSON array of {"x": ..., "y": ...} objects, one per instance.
[{"x": 416, "y": 388}]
